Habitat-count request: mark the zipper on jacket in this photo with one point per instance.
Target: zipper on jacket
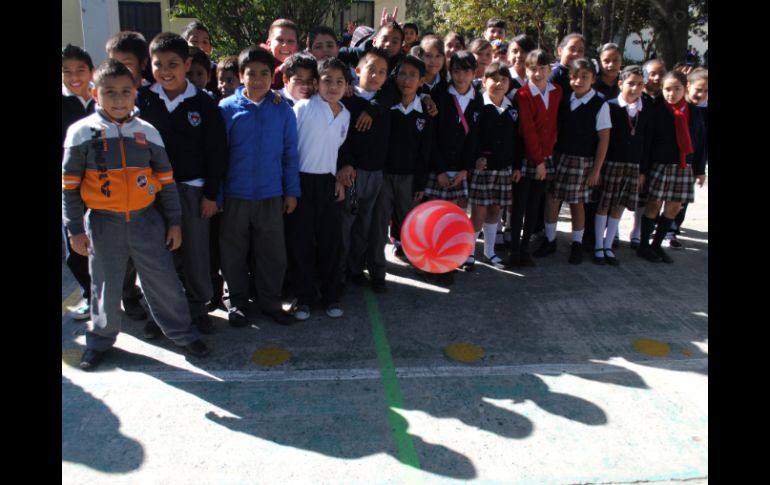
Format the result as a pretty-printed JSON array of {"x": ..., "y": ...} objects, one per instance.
[{"x": 125, "y": 172}]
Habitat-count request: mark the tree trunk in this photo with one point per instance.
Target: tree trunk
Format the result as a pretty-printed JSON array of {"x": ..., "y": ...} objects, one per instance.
[
  {"x": 611, "y": 33},
  {"x": 605, "y": 4},
  {"x": 624, "y": 27},
  {"x": 670, "y": 20},
  {"x": 583, "y": 15}
]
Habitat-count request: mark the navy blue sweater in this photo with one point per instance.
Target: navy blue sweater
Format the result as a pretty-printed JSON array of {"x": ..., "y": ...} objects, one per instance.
[
  {"x": 665, "y": 149},
  {"x": 560, "y": 75},
  {"x": 453, "y": 150},
  {"x": 499, "y": 139},
  {"x": 368, "y": 149},
  {"x": 625, "y": 148},
  {"x": 411, "y": 141},
  {"x": 194, "y": 136}
]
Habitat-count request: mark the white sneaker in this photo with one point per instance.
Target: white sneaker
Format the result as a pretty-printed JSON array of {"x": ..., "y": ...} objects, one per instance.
[
  {"x": 81, "y": 312},
  {"x": 302, "y": 312},
  {"x": 334, "y": 310}
]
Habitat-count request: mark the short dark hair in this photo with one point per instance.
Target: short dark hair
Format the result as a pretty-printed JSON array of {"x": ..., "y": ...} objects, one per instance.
[
  {"x": 128, "y": 41},
  {"x": 391, "y": 25},
  {"x": 285, "y": 23},
  {"x": 574, "y": 35},
  {"x": 525, "y": 42},
  {"x": 632, "y": 70},
  {"x": 581, "y": 63},
  {"x": 413, "y": 26},
  {"x": 454, "y": 35},
  {"x": 199, "y": 57},
  {"x": 320, "y": 30},
  {"x": 229, "y": 63},
  {"x": 608, "y": 46},
  {"x": 479, "y": 45},
  {"x": 74, "y": 52},
  {"x": 331, "y": 63},
  {"x": 463, "y": 60},
  {"x": 374, "y": 51},
  {"x": 496, "y": 22},
  {"x": 193, "y": 26},
  {"x": 255, "y": 54},
  {"x": 300, "y": 60},
  {"x": 412, "y": 61},
  {"x": 680, "y": 76},
  {"x": 538, "y": 57},
  {"x": 170, "y": 42},
  {"x": 111, "y": 69},
  {"x": 498, "y": 68}
]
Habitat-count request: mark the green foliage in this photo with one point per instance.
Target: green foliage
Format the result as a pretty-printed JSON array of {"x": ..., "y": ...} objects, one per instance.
[
  {"x": 236, "y": 24},
  {"x": 421, "y": 12}
]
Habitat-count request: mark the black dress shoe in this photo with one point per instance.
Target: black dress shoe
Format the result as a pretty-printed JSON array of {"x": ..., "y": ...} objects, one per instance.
[
  {"x": 548, "y": 247},
  {"x": 663, "y": 256},
  {"x": 91, "y": 358},
  {"x": 575, "y": 253},
  {"x": 599, "y": 257},
  {"x": 204, "y": 324},
  {"x": 611, "y": 259},
  {"x": 197, "y": 348},
  {"x": 526, "y": 259},
  {"x": 280, "y": 317},
  {"x": 152, "y": 330},
  {"x": 237, "y": 317},
  {"x": 378, "y": 285},
  {"x": 649, "y": 254},
  {"x": 357, "y": 279},
  {"x": 134, "y": 310}
]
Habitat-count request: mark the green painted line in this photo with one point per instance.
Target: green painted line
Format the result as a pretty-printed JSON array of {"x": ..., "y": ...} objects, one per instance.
[{"x": 406, "y": 452}]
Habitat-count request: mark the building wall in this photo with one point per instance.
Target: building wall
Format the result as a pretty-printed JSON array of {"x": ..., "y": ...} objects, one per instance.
[
  {"x": 390, "y": 4},
  {"x": 635, "y": 51},
  {"x": 71, "y": 25}
]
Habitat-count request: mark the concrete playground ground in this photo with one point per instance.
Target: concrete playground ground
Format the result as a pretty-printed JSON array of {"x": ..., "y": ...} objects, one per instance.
[{"x": 556, "y": 374}]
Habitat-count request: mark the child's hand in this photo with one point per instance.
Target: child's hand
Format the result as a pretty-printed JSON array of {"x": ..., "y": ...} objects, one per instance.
[
  {"x": 339, "y": 191},
  {"x": 174, "y": 237},
  {"x": 80, "y": 243},
  {"x": 385, "y": 18},
  {"x": 458, "y": 179},
  {"x": 289, "y": 204},
  {"x": 593, "y": 179},
  {"x": 516, "y": 176},
  {"x": 208, "y": 208},
  {"x": 701, "y": 180},
  {"x": 481, "y": 163},
  {"x": 418, "y": 196},
  {"x": 642, "y": 180},
  {"x": 364, "y": 121},
  {"x": 540, "y": 172},
  {"x": 346, "y": 175},
  {"x": 443, "y": 180},
  {"x": 430, "y": 105}
]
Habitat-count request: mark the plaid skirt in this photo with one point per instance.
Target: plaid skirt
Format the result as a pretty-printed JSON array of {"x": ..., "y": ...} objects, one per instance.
[
  {"x": 491, "y": 187},
  {"x": 671, "y": 183},
  {"x": 528, "y": 168},
  {"x": 434, "y": 191},
  {"x": 620, "y": 185},
  {"x": 570, "y": 180}
]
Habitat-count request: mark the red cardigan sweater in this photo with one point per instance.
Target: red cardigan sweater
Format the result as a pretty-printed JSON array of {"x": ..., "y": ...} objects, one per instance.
[{"x": 536, "y": 124}]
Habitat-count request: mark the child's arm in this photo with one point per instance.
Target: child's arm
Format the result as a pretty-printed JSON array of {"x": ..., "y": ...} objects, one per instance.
[
  {"x": 215, "y": 146},
  {"x": 601, "y": 153},
  {"x": 73, "y": 208},
  {"x": 386, "y": 97},
  {"x": 421, "y": 170},
  {"x": 290, "y": 162}
]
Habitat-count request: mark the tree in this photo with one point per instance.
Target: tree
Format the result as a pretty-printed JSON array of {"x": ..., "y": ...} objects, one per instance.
[
  {"x": 422, "y": 13},
  {"x": 236, "y": 24}
]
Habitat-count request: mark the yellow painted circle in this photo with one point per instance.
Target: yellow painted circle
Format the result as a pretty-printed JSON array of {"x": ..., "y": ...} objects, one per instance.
[
  {"x": 464, "y": 352},
  {"x": 71, "y": 357},
  {"x": 652, "y": 347},
  {"x": 270, "y": 356}
]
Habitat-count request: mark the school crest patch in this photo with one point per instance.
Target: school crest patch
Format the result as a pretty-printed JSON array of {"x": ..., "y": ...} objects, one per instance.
[
  {"x": 514, "y": 114},
  {"x": 194, "y": 118},
  {"x": 420, "y": 124},
  {"x": 140, "y": 138},
  {"x": 141, "y": 181}
]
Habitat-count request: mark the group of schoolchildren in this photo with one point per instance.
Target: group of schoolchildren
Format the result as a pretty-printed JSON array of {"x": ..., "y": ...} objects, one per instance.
[{"x": 289, "y": 172}]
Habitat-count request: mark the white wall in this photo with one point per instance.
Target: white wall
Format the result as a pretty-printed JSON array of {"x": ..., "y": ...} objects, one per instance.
[{"x": 635, "y": 51}]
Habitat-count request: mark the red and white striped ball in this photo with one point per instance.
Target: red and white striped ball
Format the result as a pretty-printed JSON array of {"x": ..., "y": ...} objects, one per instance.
[{"x": 437, "y": 236}]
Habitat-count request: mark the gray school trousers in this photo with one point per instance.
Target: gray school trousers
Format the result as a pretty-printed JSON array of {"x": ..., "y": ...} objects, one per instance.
[
  {"x": 265, "y": 219},
  {"x": 192, "y": 258},
  {"x": 113, "y": 241},
  {"x": 356, "y": 228},
  {"x": 395, "y": 200}
]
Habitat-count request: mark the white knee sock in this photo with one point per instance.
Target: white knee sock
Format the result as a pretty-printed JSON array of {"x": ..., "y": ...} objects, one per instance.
[
  {"x": 601, "y": 222},
  {"x": 550, "y": 231},
  {"x": 577, "y": 235},
  {"x": 612, "y": 229},
  {"x": 490, "y": 235}
]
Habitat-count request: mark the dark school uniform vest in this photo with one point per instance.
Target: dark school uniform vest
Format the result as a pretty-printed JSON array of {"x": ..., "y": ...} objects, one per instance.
[
  {"x": 624, "y": 146},
  {"x": 577, "y": 129}
]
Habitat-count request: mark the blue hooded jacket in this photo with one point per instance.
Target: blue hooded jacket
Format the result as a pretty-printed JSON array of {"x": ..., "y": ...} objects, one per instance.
[{"x": 262, "y": 141}]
